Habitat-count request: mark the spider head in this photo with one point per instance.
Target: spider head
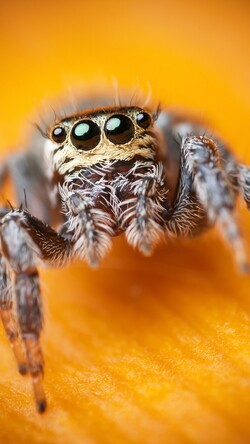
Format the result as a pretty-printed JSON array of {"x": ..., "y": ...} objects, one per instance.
[
  {"x": 110, "y": 134},
  {"x": 111, "y": 179}
]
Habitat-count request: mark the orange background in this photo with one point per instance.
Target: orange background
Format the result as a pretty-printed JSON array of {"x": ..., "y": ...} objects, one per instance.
[{"x": 143, "y": 350}]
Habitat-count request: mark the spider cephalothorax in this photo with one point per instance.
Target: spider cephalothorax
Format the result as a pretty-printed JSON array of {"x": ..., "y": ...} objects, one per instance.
[
  {"x": 93, "y": 175},
  {"x": 112, "y": 178}
]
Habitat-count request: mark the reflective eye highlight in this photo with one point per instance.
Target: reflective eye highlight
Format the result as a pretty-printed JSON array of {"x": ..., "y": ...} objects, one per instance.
[
  {"x": 143, "y": 120},
  {"x": 119, "y": 129},
  {"x": 59, "y": 134},
  {"x": 85, "y": 135}
]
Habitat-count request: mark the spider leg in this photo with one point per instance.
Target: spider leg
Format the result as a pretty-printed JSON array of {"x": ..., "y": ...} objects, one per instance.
[
  {"x": 7, "y": 311},
  {"x": 237, "y": 173},
  {"x": 142, "y": 208},
  {"x": 215, "y": 190},
  {"x": 244, "y": 181},
  {"x": 25, "y": 240},
  {"x": 89, "y": 226},
  {"x": 33, "y": 188},
  {"x": 9, "y": 319}
]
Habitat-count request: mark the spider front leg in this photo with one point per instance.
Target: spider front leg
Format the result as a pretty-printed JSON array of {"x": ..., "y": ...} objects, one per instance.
[
  {"x": 142, "y": 205},
  {"x": 89, "y": 222},
  {"x": 24, "y": 240},
  {"x": 214, "y": 190},
  {"x": 7, "y": 312},
  {"x": 8, "y": 317}
]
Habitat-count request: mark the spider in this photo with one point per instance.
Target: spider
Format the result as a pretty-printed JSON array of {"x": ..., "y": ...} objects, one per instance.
[{"x": 97, "y": 173}]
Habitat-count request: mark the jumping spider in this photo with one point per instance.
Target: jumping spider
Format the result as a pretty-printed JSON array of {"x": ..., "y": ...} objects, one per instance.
[{"x": 95, "y": 174}]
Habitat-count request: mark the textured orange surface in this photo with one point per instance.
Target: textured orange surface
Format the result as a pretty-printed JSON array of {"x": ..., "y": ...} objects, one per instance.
[{"x": 152, "y": 350}]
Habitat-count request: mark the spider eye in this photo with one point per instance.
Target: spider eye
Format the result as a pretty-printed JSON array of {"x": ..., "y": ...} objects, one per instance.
[
  {"x": 143, "y": 120},
  {"x": 85, "y": 135},
  {"x": 119, "y": 129},
  {"x": 59, "y": 134}
]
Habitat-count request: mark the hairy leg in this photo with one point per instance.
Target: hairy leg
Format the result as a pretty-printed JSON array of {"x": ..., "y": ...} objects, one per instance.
[
  {"x": 24, "y": 240},
  {"x": 27, "y": 171},
  {"x": 89, "y": 225},
  {"x": 141, "y": 208},
  {"x": 244, "y": 182},
  {"x": 7, "y": 311},
  {"x": 9, "y": 318},
  {"x": 216, "y": 189}
]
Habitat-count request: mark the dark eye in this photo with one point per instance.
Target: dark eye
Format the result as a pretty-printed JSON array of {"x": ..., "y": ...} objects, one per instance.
[
  {"x": 119, "y": 129},
  {"x": 59, "y": 134},
  {"x": 143, "y": 120},
  {"x": 85, "y": 135}
]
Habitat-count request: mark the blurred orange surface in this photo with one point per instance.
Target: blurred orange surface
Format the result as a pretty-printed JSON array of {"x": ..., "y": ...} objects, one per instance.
[{"x": 155, "y": 350}]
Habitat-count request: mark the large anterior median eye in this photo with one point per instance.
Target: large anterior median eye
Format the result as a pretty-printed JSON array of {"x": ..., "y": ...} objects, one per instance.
[
  {"x": 85, "y": 135},
  {"x": 119, "y": 129}
]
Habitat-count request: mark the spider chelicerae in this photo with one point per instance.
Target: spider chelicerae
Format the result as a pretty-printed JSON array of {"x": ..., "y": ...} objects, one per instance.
[{"x": 94, "y": 174}]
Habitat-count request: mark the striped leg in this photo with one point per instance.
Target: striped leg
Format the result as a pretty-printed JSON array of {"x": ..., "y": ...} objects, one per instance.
[
  {"x": 9, "y": 319},
  {"x": 24, "y": 239},
  {"x": 214, "y": 190},
  {"x": 142, "y": 209}
]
